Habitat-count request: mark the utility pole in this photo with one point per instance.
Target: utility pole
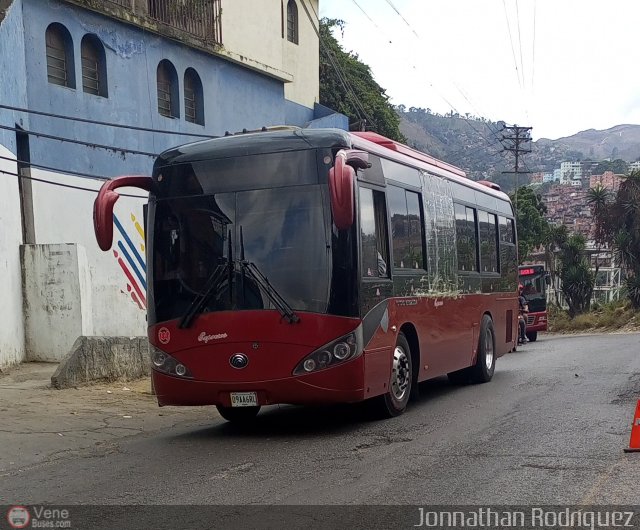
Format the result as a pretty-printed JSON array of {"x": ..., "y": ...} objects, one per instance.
[{"x": 517, "y": 140}]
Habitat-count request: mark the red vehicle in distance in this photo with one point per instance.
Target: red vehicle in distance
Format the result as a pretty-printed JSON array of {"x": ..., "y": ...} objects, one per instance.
[
  {"x": 311, "y": 266},
  {"x": 534, "y": 280}
]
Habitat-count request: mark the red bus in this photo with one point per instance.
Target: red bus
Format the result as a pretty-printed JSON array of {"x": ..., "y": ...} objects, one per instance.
[
  {"x": 534, "y": 280},
  {"x": 319, "y": 266}
]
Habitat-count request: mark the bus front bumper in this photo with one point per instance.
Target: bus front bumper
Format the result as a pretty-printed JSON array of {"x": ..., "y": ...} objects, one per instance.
[{"x": 340, "y": 384}]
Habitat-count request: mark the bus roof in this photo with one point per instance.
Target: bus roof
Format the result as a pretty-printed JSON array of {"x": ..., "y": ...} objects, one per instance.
[
  {"x": 255, "y": 143},
  {"x": 291, "y": 139},
  {"x": 387, "y": 148},
  {"x": 408, "y": 151}
]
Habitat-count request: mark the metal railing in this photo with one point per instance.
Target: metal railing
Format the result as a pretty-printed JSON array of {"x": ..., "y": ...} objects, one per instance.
[{"x": 200, "y": 18}]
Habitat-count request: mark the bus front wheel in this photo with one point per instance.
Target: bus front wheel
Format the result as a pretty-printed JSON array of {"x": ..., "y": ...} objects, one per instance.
[
  {"x": 238, "y": 414},
  {"x": 394, "y": 402}
]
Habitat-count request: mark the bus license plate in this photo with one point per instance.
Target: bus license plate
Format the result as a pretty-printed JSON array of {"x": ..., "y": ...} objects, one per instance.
[{"x": 244, "y": 399}]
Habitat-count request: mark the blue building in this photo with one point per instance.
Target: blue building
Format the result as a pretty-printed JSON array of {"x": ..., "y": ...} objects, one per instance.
[
  {"x": 150, "y": 64},
  {"x": 98, "y": 88}
]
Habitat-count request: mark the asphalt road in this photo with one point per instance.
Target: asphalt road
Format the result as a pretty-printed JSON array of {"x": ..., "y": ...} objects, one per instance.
[{"x": 549, "y": 429}]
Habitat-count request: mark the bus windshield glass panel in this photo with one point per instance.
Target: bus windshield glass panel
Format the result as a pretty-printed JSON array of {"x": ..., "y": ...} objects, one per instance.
[{"x": 279, "y": 230}]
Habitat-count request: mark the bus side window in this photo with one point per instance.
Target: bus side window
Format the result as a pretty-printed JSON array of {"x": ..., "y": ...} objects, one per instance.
[
  {"x": 466, "y": 241},
  {"x": 407, "y": 228},
  {"x": 373, "y": 234}
]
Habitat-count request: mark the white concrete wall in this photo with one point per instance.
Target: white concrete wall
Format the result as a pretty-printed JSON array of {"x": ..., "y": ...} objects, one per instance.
[
  {"x": 12, "y": 347},
  {"x": 255, "y": 30},
  {"x": 114, "y": 289},
  {"x": 303, "y": 59},
  {"x": 54, "y": 281}
]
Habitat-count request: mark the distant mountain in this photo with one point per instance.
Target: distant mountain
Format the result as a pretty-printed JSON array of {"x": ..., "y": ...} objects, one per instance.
[
  {"x": 621, "y": 141},
  {"x": 474, "y": 145}
]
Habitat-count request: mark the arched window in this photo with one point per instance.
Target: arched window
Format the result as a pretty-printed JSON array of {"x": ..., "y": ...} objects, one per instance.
[
  {"x": 193, "y": 97},
  {"x": 292, "y": 22},
  {"x": 59, "y": 49},
  {"x": 94, "y": 66},
  {"x": 168, "y": 103}
]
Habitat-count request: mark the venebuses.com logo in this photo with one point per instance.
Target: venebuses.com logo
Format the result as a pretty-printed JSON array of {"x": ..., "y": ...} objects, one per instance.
[
  {"x": 38, "y": 517},
  {"x": 18, "y": 517}
]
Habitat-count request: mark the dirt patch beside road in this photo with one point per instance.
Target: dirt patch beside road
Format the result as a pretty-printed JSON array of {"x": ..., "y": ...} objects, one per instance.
[{"x": 39, "y": 424}]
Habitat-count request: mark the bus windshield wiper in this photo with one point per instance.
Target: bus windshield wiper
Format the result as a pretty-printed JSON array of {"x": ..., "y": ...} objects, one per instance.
[
  {"x": 196, "y": 306},
  {"x": 251, "y": 269},
  {"x": 281, "y": 304}
]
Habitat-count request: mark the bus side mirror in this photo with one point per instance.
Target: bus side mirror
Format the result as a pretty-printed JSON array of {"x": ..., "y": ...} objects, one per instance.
[
  {"x": 341, "y": 191},
  {"x": 106, "y": 199},
  {"x": 358, "y": 159}
]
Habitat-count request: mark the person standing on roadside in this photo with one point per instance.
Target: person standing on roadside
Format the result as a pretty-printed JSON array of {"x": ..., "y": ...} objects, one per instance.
[{"x": 523, "y": 309}]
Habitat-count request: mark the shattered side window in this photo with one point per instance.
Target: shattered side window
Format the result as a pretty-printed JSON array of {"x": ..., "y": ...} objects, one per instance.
[{"x": 442, "y": 263}]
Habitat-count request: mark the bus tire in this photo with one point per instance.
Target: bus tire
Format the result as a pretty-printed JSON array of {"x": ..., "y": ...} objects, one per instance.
[
  {"x": 394, "y": 402},
  {"x": 239, "y": 415},
  {"x": 532, "y": 336},
  {"x": 485, "y": 366}
]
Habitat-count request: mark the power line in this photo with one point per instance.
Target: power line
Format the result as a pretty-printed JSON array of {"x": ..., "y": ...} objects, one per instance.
[
  {"x": 54, "y": 169},
  {"x": 513, "y": 51},
  {"x": 462, "y": 93},
  {"x": 79, "y": 142},
  {"x": 366, "y": 15},
  {"x": 64, "y": 185},
  {"x": 400, "y": 15},
  {"x": 108, "y": 124},
  {"x": 347, "y": 86},
  {"x": 533, "y": 59},
  {"x": 520, "y": 42},
  {"x": 333, "y": 60}
]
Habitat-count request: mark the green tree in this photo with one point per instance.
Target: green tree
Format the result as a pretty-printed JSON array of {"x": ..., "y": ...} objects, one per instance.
[
  {"x": 555, "y": 237},
  {"x": 575, "y": 274},
  {"x": 347, "y": 86},
  {"x": 618, "y": 166},
  {"x": 598, "y": 201},
  {"x": 625, "y": 225},
  {"x": 531, "y": 224}
]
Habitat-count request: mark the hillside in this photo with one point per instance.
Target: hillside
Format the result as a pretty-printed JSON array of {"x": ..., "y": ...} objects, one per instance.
[
  {"x": 474, "y": 145},
  {"x": 621, "y": 141}
]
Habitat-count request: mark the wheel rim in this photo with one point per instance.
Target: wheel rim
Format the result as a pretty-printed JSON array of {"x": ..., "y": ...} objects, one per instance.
[
  {"x": 400, "y": 374},
  {"x": 488, "y": 350}
]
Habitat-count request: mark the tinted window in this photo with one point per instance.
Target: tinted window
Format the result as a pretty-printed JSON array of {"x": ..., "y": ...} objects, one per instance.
[
  {"x": 506, "y": 230},
  {"x": 466, "y": 237},
  {"x": 407, "y": 228},
  {"x": 283, "y": 235},
  {"x": 488, "y": 242},
  {"x": 373, "y": 234},
  {"x": 240, "y": 173}
]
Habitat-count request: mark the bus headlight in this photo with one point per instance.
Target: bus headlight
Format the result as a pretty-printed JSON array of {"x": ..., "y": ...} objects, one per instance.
[
  {"x": 336, "y": 352},
  {"x": 163, "y": 362}
]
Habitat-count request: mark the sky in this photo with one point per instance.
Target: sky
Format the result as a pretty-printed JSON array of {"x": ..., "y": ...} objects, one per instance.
[{"x": 558, "y": 66}]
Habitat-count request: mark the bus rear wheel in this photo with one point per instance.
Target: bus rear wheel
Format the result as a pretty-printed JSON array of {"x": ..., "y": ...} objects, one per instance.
[
  {"x": 394, "y": 402},
  {"x": 532, "y": 336},
  {"x": 482, "y": 371},
  {"x": 239, "y": 415},
  {"x": 485, "y": 366}
]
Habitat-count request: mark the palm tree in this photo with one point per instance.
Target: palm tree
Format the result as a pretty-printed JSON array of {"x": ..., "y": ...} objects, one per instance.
[
  {"x": 598, "y": 201},
  {"x": 555, "y": 237}
]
